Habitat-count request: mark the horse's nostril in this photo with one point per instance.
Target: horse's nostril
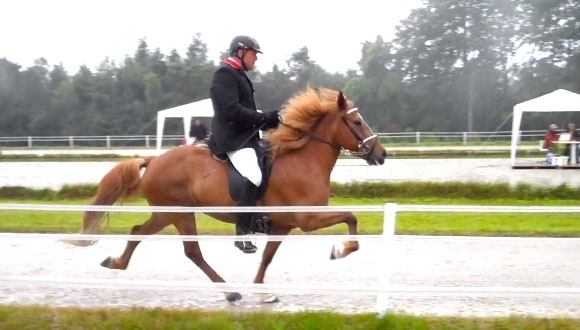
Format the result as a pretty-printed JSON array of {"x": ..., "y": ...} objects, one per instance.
[{"x": 385, "y": 154}]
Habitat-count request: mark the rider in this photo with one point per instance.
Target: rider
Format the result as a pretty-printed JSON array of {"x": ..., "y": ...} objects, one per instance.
[{"x": 235, "y": 125}]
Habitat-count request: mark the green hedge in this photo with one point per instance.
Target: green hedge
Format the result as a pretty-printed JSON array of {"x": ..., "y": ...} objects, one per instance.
[
  {"x": 66, "y": 192},
  {"x": 469, "y": 190}
]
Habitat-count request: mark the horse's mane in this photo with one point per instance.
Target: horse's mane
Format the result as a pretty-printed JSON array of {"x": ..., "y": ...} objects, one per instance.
[{"x": 301, "y": 113}]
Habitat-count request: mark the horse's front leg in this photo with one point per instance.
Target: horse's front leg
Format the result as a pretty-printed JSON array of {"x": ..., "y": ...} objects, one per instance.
[
  {"x": 313, "y": 221},
  {"x": 267, "y": 256}
]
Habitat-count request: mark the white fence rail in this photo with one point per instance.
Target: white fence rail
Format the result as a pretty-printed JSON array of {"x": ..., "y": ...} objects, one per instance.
[
  {"x": 148, "y": 141},
  {"x": 292, "y": 209},
  {"x": 388, "y": 237}
]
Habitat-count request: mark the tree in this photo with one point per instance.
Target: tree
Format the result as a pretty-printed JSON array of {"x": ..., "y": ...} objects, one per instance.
[
  {"x": 458, "y": 51},
  {"x": 300, "y": 67},
  {"x": 273, "y": 89}
]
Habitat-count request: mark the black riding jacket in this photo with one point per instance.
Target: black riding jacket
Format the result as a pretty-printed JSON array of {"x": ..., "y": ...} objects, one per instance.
[{"x": 236, "y": 121}]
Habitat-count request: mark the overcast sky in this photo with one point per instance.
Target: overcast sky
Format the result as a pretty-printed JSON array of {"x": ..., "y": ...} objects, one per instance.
[{"x": 86, "y": 31}]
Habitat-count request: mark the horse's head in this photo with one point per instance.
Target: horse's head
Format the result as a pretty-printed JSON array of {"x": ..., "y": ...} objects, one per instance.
[
  {"x": 353, "y": 134},
  {"x": 328, "y": 117}
]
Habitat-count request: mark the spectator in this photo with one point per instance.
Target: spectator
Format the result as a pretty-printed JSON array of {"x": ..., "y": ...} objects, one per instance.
[
  {"x": 574, "y": 136},
  {"x": 198, "y": 131},
  {"x": 551, "y": 136}
]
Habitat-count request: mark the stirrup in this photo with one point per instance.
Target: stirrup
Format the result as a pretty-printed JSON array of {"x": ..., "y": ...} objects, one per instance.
[
  {"x": 261, "y": 224},
  {"x": 246, "y": 246}
]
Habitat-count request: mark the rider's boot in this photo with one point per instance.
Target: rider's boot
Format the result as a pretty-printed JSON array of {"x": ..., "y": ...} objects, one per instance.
[{"x": 244, "y": 220}]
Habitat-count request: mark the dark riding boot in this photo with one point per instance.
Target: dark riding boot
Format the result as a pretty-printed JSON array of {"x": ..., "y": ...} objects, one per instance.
[
  {"x": 243, "y": 228},
  {"x": 244, "y": 220}
]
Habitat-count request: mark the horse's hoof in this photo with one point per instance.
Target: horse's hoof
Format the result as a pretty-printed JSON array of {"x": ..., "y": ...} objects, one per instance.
[
  {"x": 337, "y": 251},
  {"x": 268, "y": 298},
  {"x": 79, "y": 243},
  {"x": 233, "y": 296},
  {"x": 107, "y": 262}
]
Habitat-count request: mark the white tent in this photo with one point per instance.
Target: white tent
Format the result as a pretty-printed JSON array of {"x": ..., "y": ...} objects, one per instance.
[
  {"x": 201, "y": 108},
  {"x": 558, "y": 101}
]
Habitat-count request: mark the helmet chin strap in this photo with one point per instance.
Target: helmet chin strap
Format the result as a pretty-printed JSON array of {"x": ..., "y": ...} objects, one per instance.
[{"x": 242, "y": 59}]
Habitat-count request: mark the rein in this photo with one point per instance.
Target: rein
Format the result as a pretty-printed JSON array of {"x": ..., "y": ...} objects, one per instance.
[{"x": 315, "y": 137}]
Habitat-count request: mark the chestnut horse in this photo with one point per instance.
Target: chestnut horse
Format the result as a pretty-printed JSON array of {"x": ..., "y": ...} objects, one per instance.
[{"x": 317, "y": 125}]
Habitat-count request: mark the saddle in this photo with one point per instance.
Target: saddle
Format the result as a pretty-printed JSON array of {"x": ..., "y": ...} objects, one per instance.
[{"x": 265, "y": 162}]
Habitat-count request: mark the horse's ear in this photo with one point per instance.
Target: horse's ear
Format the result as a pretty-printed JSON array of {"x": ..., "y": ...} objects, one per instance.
[{"x": 341, "y": 102}]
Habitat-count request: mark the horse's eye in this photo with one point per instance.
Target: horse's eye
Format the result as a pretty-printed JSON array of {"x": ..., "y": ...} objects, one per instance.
[{"x": 357, "y": 122}]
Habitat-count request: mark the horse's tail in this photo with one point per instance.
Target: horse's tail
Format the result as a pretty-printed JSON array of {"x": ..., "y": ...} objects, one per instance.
[{"x": 118, "y": 184}]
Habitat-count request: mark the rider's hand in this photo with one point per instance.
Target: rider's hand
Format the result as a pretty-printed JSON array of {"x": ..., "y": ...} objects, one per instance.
[{"x": 272, "y": 119}]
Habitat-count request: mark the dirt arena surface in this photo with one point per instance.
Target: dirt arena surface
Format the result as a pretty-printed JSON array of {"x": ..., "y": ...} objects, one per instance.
[
  {"x": 55, "y": 174},
  {"x": 418, "y": 261}
]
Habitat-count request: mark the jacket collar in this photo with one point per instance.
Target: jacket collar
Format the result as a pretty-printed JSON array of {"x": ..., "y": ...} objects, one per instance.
[{"x": 232, "y": 63}]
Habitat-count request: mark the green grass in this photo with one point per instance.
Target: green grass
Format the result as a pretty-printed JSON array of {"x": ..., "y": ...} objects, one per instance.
[
  {"x": 519, "y": 224},
  {"x": 423, "y": 223},
  {"x": 44, "y": 318}
]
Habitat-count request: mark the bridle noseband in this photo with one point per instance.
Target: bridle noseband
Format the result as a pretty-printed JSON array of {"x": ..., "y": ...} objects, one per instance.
[{"x": 363, "y": 148}]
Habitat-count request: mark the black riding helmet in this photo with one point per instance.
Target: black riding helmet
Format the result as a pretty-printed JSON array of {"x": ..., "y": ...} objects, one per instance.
[{"x": 244, "y": 43}]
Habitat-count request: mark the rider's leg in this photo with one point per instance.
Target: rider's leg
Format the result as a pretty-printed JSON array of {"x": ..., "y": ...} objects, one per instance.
[
  {"x": 246, "y": 162},
  {"x": 244, "y": 220}
]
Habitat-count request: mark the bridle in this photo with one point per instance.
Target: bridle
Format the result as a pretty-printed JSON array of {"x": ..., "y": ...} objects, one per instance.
[{"x": 363, "y": 148}]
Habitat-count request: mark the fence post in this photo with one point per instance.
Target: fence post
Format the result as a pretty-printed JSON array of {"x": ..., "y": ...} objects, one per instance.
[
  {"x": 108, "y": 139},
  {"x": 71, "y": 141},
  {"x": 30, "y": 142},
  {"x": 418, "y": 138},
  {"x": 388, "y": 246},
  {"x": 464, "y": 138},
  {"x": 147, "y": 141}
]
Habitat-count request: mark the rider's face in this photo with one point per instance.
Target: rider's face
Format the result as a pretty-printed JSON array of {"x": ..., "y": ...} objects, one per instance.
[{"x": 250, "y": 59}]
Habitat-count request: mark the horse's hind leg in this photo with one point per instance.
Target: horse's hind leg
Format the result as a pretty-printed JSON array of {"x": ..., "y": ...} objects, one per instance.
[
  {"x": 157, "y": 222},
  {"x": 313, "y": 221},
  {"x": 186, "y": 226}
]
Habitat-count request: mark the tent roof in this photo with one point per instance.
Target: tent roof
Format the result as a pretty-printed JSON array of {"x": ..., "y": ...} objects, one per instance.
[
  {"x": 558, "y": 101},
  {"x": 201, "y": 108}
]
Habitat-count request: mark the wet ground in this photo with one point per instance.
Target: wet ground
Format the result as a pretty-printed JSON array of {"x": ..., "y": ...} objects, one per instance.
[
  {"x": 55, "y": 174},
  {"x": 417, "y": 261}
]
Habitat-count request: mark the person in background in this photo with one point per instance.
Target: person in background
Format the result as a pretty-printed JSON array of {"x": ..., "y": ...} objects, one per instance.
[
  {"x": 551, "y": 136},
  {"x": 574, "y": 136},
  {"x": 198, "y": 131}
]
